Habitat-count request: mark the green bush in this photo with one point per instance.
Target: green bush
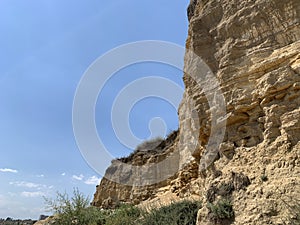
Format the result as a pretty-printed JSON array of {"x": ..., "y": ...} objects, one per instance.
[
  {"x": 221, "y": 210},
  {"x": 124, "y": 215},
  {"x": 76, "y": 210},
  {"x": 180, "y": 213}
]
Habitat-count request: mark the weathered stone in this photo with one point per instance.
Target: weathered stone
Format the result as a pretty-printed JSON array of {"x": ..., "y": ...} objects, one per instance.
[{"x": 252, "y": 47}]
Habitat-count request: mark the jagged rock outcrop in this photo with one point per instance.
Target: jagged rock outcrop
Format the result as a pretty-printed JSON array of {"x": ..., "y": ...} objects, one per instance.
[{"x": 253, "y": 48}]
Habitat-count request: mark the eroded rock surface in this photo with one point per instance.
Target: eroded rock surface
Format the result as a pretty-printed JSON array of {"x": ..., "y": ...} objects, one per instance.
[
  {"x": 127, "y": 188},
  {"x": 253, "y": 48}
]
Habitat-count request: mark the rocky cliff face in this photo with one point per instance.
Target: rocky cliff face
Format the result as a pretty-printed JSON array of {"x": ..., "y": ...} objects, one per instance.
[
  {"x": 127, "y": 189},
  {"x": 253, "y": 48}
]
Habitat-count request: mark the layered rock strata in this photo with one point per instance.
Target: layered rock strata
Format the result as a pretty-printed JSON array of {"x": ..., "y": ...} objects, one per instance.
[{"x": 253, "y": 49}]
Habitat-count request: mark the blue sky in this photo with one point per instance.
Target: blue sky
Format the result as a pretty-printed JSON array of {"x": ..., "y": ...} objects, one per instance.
[{"x": 46, "y": 46}]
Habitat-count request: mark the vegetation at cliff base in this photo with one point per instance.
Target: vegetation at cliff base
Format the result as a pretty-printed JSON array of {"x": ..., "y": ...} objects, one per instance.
[
  {"x": 76, "y": 210},
  {"x": 179, "y": 213},
  {"x": 222, "y": 209}
]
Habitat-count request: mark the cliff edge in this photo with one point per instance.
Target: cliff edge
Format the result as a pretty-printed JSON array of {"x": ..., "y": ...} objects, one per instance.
[{"x": 252, "y": 47}]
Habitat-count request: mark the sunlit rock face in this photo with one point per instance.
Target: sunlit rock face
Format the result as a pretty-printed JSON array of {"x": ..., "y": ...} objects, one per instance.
[
  {"x": 123, "y": 184},
  {"x": 253, "y": 50}
]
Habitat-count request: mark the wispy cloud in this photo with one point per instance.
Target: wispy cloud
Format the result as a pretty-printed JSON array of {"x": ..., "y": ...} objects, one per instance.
[
  {"x": 33, "y": 194},
  {"x": 40, "y": 175},
  {"x": 25, "y": 184},
  {"x": 63, "y": 174},
  {"x": 31, "y": 190},
  {"x": 7, "y": 170},
  {"x": 30, "y": 185},
  {"x": 80, "y": 177},
  {"x": 92, "y": 180}
]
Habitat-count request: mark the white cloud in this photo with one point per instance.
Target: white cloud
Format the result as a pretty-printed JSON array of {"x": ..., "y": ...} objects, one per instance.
[
  {"x": 80, "y": 177},
  {"x": 30, "y": 185},
  {"x": 33, "y": 194},
  {"x": 63, "y": 174},
  {"x": 26, "y": 184},
  {"x": 41, "y": 175},
  {"x": 7, "y": 170},
  {"x": 92, "y": 180}
]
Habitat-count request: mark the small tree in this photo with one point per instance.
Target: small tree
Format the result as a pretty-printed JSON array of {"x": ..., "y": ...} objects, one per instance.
[{"x": 74, "y": 210}]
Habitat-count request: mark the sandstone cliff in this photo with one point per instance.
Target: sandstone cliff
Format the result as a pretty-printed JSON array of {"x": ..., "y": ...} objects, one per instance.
[
  {"x": 252, "y": 47},
  {"x": 110, "y": 193}
]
